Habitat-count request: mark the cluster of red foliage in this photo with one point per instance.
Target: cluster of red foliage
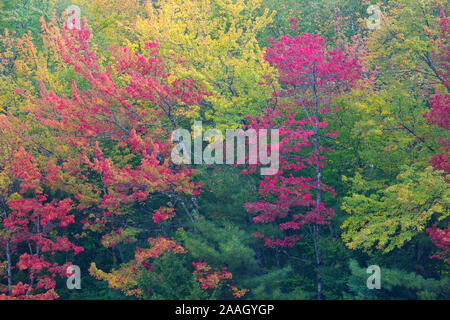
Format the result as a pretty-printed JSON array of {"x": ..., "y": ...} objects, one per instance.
[
  {"x": 131, "y": 103},
  {"x": 32, "y": 220},
  {"x": 210, "y": 279},
  {"x": 439, "y": 115},
  {"x": 311, "y": 74}
]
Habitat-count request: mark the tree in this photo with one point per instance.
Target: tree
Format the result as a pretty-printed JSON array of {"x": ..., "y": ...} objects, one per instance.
[
  {"x": 32, "y": 221},
  {"x": 439, "y": 115},
  {"x": 387, "y": 218},
  {"x": 214, "y": 42},
  {"x": 120, "y": 109},
  {"x": 23, "y": 16},
  {"x": 130, "y": 106},
  {"x": 389, "y": 204},
  {"x": 396, "y": 284},
  {"x": 312, "y": 75},
  {"x": 405, "y": 46}
]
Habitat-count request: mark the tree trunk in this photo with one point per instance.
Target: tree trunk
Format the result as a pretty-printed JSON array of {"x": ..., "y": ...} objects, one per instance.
[
  {"x": 316, "y": 238},
  {"x": 8, "y": 251},
  {"x": 8, "y": 259},
  {"x": 316, "y": 228}
]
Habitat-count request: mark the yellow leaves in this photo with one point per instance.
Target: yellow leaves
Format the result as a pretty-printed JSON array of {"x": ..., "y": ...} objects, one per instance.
[
  {"x": 5, "y": 182},
  {"x": 126, "y": 277},
  {"x": 220, "y": 51},
  {"x": 403, "y": 195},
  {"x": 192, "y": 112},
  {"x": 399, "y": 212},
  {"x": 377, "y": 131},
  {"x": 14, "y": 196}
]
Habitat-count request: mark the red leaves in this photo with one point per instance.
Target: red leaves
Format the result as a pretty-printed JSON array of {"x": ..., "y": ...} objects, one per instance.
[
  {"x": 26, "y": 210},
  {"x": 159, "y": 245},
  {"x": 440, "y": 161},
  {"x": 312, "y": 75},
  {"x": 210, "y": 279},
  {"x": 31, "y": 219},
  {"x": 128, "y": 184},
  {"x": 440, "y": 110},
  {"x": 20, "y": 290},
  {"x": 125, "y": 279},
  {"x": 163, "y": 214},
  {"x": 441, "y": 238},
  {"x": 130, "y": 104},
  {"x": 23, "y": 167},
  {"x": 61, "y": 244},
  {"x": 33, "y": 262},
  {"x": 290, "y": 190},
  {"x": 305, "y": 55},
  {"x": 46, "y": 283},
  {"x": 238, "y": 293},
  {"x": 121, "y": 235},
  {"x": 440, "y": 115},
  {"x": 287, "y": 242},
  {"x": 269, "y": 212}
]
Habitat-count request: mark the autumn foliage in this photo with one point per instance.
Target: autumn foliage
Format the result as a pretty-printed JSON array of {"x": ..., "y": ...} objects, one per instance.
[{"x": 87, "y": 112}]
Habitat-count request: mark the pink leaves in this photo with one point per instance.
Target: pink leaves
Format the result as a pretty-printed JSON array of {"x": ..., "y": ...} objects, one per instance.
[
  {"x": 163, "y": 214},
  {"x": 294, "y": 25},
  {"x": 312, "y": 75},
  {"x": 288, "y": 191},
  {"x": 26, "y": 210},
  {"x": 33, "y": 262},
  {"x": 61, "y": 244},
  {"x": 440, "y": 110},
  {"x": 287, "y": 242},
  {"x": 305, "y": 61},
  {"x": 441, "y": 238}
]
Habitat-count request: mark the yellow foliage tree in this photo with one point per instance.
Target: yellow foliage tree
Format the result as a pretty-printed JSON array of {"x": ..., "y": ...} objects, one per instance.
[{"x": 216, "y": 42}]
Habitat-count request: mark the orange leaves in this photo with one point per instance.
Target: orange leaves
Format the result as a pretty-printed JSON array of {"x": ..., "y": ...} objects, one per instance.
[
  {"x": 238, "y": 293},
  {"x": 122, "y": 235},
  {"x": 160, "y": 245},
  {"x": 126, "y": 278},
  {"x": 210, "y": 279}
]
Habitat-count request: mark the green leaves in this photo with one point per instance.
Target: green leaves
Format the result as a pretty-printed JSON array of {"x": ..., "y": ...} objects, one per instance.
[
  {"x": 387, "y": 218},
  {"x": 395, "y": 284}
]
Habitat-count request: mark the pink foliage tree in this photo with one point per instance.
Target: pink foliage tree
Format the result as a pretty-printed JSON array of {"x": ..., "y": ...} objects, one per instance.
[{"x": 311, "y": 76}]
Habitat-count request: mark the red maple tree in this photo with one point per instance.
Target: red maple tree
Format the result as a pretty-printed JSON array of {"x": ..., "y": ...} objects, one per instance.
[{"x": 311, "y": 75}]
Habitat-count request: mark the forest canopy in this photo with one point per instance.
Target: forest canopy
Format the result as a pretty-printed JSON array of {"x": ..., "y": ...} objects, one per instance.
[{"x": 336, "y": 157}]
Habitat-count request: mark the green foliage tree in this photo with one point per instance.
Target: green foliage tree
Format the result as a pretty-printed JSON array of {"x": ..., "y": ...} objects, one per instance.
[{"x": 396, "y": 284}]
